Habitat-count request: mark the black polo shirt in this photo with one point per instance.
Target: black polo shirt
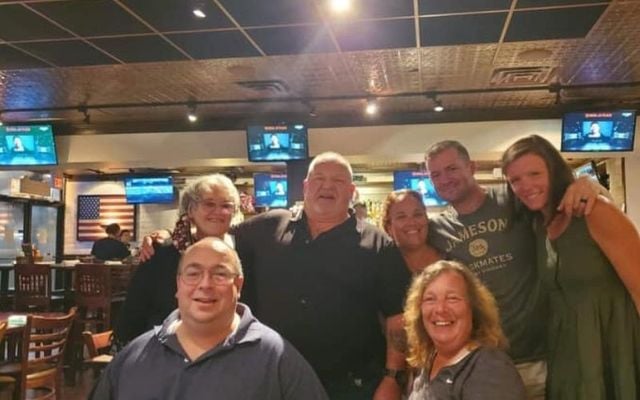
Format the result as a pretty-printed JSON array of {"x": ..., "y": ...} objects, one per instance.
[{"x": 325, "y": 295}]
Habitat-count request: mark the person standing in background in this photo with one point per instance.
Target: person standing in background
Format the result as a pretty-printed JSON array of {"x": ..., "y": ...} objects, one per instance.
[{"x": 110, "y": 248}]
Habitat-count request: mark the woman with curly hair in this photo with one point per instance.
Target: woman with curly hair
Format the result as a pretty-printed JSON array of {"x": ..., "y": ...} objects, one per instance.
[{"x": 455, "y": 339}]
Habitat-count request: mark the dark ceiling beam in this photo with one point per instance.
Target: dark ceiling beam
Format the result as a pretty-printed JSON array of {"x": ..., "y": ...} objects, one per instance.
[{"x": 553, "y": 88}]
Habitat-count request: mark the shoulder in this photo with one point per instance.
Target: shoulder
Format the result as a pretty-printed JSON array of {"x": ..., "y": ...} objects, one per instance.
[
  {"x": 126, "y": 358},
  {"x": 491, "y": 355},
  {"x": 262, "y": 221}
]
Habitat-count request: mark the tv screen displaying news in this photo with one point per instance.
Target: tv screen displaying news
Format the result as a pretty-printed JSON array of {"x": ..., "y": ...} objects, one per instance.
[
  {"x": 27, "y": 145},
  {"x": 598, "y": 131},
  {"x": 141, "y": 190},
  {"x": 277, "y": 142},
  {"x": 421, "y": 183},
  {"x": 270, "y": 190}
]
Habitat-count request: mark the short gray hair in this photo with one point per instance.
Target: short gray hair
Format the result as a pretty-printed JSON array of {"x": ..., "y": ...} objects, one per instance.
[
  {"x": 330, "y": 157},
  {"x": 194, "y": 191},
  {"x": 439, "y": 147}
]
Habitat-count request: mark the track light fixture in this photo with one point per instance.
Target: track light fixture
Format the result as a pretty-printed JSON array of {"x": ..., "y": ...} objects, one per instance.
[
  {"x": 438, "y": 107},
  {"x": 85, "y": 111},
  {"x": 437, "y": 103},
  {"x": 372, "y": 107},
  {"x": 310, "y": 107},
  {"x": 198, "y": 10},
  {"x": 191, "y": 115}
]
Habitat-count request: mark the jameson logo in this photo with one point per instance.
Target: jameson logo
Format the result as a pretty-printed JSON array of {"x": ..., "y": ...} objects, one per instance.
[{"x": 473, "y": 230}]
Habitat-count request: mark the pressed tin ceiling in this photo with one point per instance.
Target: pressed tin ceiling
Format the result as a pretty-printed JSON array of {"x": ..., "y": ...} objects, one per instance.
[{"x": 134, "y": 65}]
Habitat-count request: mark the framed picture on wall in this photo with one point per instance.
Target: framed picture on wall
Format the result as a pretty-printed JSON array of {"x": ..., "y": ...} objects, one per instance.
[{"x": 95, "y": 212}]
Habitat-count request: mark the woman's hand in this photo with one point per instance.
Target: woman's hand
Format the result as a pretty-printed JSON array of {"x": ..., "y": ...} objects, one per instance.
[{"x": 146, "y": 250}]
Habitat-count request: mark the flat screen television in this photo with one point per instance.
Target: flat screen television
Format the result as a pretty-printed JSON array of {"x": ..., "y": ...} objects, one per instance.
[
  {"x": 277, "y": 142},
  {"x": 27, "y": 145},
  {"x": 598, "y": 131},
  {"x": 420, "y": 182},
  {"x": 588, "y": 169},
  {"x": 149, "y": 189},
  {"x": 270, "y": 190}
]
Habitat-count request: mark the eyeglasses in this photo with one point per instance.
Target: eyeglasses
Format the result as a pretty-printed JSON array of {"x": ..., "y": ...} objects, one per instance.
[
  {"x": 209, "y": 205},
  {"x": 220, "y": 277}
]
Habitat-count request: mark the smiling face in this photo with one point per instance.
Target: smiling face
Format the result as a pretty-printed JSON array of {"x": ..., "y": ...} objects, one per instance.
[
  {"x": 213, "y": 211},
  {"x": 528, "y": 177},
  {"x": 327, "y": 192},
  {"x": 407, "y": 222},
  {"x": 212, "y": 300},
  {"x": 452, "y": 176},
  {"x": 446, "y": 313}
]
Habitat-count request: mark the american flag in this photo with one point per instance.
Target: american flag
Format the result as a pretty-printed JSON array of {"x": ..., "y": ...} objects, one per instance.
[{"x": 96, "y": 212}]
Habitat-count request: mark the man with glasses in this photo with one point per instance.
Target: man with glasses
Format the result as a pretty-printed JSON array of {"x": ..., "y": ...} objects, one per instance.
[{"x": 211, "y": 345}]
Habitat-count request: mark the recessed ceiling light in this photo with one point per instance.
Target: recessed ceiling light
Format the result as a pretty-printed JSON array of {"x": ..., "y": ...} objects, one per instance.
[{"x": 197, "y": 11}]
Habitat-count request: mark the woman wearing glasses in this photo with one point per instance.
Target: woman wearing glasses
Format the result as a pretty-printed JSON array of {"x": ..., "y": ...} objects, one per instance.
[{"x": 207, "y": 207}]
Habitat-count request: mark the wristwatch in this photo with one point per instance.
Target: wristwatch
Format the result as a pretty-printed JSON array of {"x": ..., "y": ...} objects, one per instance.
[{"x": 399, "y": 375}]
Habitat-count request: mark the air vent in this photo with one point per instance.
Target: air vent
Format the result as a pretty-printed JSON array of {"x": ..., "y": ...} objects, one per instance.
[
  {"x": 273, "y": 86},
  {"x": 522, "y": 76}
]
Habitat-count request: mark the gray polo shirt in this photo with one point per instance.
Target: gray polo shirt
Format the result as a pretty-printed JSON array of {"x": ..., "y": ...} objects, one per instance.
[{"x": 252, "y": 363}]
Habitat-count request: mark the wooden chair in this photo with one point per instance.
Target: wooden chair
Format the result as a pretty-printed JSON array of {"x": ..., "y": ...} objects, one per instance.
[
  {"x": 32, "y": 287},
  {"x": 41, "y": 354},
  {"x": 7, "y": 383},
  {"x": 98, "y": 345},
  {"x": 93, "y": 297}
]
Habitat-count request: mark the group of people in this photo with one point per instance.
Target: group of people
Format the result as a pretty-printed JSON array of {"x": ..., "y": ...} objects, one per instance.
[
  {"x": 116, "y": 246},
  {"x": 540, "y": 274}
]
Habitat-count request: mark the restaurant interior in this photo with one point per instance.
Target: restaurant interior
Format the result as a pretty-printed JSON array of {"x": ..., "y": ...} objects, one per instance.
[{"x": 109, "y": 107}]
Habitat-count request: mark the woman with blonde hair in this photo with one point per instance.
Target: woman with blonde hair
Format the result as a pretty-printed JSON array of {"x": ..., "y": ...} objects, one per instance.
[{"x": 455, "y": 339}]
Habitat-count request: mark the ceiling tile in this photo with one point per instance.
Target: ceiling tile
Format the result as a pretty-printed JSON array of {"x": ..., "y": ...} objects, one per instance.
[
  {"x": 80, "y": 16},
  {"x": 548, "y": 3},
  {"x": 11, "y": 58},
  {"x": 223, "y": 44},
  {"x": 272, "y": 12},
  {"x": 461, "y": 29},
  {"x": 177, "y": 15},
  {"x": 140, "y": 48},
  {"x": 383, "y": 9},
  {"x": 67, "y": 53},
  {"x": 563, "y": 23},
  {"x": 19, "y": 23},
  {"x": 370, "y": 35},
  {"x": 443, "y": 7},
  {"x": 293, "y": 39}
]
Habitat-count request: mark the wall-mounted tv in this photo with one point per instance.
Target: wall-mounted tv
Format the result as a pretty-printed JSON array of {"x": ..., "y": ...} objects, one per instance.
[
  {"x": 270, "y": 190},
  {"x": 277, "y": 142},
  {"x": 598, "y": 131},
  {"x": 420, "y": 182},
  {"x": 149, "y": 189},
  {"x": 27, "y": 145}
]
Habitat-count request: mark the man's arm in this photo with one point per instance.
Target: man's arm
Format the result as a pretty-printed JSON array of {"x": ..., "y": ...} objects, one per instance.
[
  {"x": 581, "y": 196},
  {"x": 297, "y": 378},
  {"x": 390, "y": 388}
]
